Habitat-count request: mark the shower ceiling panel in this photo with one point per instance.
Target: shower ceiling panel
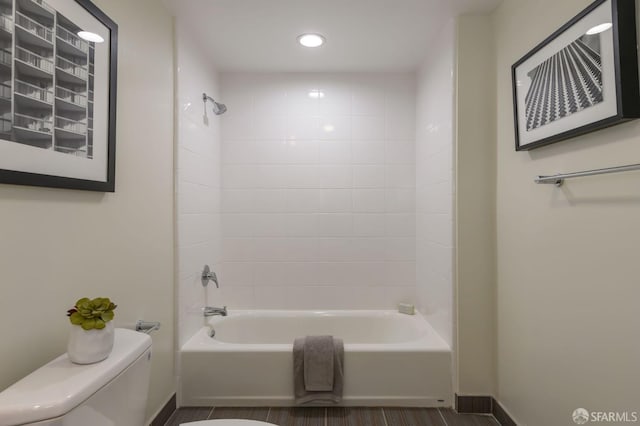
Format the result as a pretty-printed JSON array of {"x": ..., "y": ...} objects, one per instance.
[{"x": 362, "y": 35}]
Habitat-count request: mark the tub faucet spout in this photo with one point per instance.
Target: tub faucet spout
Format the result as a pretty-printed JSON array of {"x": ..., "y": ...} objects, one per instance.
[{"x": 210, "y": 311}]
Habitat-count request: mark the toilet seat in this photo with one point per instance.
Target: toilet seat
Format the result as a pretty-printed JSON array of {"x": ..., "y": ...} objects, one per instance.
[{"x": 227, "y": 422}]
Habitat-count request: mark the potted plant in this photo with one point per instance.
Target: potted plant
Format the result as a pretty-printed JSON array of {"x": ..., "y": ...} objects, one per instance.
[{"x": 92, "y": 334}]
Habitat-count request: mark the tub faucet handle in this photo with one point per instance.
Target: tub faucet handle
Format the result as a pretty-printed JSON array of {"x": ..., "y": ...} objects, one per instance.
[{"x": 208, "y": 275}]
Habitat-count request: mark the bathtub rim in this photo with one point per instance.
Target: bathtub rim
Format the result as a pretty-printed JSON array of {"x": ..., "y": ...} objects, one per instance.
[{"x": 201, "y": 342}]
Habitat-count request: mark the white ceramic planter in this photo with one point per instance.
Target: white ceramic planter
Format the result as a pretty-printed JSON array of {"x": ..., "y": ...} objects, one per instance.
[{"x": 90, "y": 346}]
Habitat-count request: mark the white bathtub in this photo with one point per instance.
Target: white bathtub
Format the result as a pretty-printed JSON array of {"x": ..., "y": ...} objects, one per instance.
[{"x": 391, "y": 359}]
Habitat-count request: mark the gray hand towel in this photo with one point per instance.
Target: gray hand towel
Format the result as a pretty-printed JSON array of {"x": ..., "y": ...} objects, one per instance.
[
  {"x": 318, "y": 363},
  {"x": 303, "y": 396}
]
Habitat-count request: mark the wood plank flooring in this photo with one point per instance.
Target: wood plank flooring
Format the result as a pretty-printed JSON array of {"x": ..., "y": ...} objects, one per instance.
[{"x": 335, "y": 416}]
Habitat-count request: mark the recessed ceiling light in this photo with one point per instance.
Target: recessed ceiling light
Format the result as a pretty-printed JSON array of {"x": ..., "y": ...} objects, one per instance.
[
  {"x": 89, "y": 36},
  {"x": 311, "y": 40},
  {"x": 599, "y": 28}
]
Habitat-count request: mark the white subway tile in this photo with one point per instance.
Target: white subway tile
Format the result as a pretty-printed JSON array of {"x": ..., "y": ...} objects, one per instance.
[
  {"x": 369, "y": 249},
  {"x": 301, "y": 128},
  {"x": 337, "y": 274},
  {"x": 237, "y": 200},
  {"x": 335, "y": 201},
  {"x": 236, "y": 225},
  {"x": 300, "y": 225},
  {"x": 400, "y": 200},
  {"x": 238, "y": 250},
  {"x": 271, "y": 297},
  {"x": 437, "y": 228},
  {"x": 369, "y": 96},
  {"x": 334, "y": 152},
  {"x": 334, "y": 250},
  {"x": 388, "y": 297},
  {"x": 296, "y": 176},
  {"x": 334, "y": 176},
  {"x": 400, "y": 249},
  {"x": 192, "y": 258},
  {"x": 284, "y": 249},
  {"x": 269, "y": 176},
  {"x": 400, "y": 126},
  {"x": 236, "y": 274},
  {"x": 400, "y": 273},
  {"x": 268, "y": 200},
  {"x": 302, "y": 200},
  {"x": 301, "y": 152},
  {"x": 368, "y": 128},
  {"x": 231, "y": 297},
  {"x": 267, "y": 274},
  {"x": 400, "y": 153},
  {"x": 195, "y": 228},
  {"x": 335, "y": 127},
  {"x": 196, "y": 198},
  {"x": 269, "y": 100},
  {"x": 237, "y": 127},
  {"x": 299, "y": 101},
  {"x": 336, "y": 98},
  {"x": 368, "y": 176},
  {"x": 268, "y": 152},
  {"x": 369, "y": 225},
  {"x": 335, "y": 225},
  {"x": 239, "y": 177},
  {"x": 369, "y": 200},
  {"x": 238, "y": 152},
  {"x": 299, "y": 273},
  {"x": 313, "y": 297},
  {"x": 268, "y": 225},
  {"x": 368, "y": 152},
  {"x": 401, "y": 176},
  {"x": 400, "y": 225},
  {"x": 371, "y": 273}
]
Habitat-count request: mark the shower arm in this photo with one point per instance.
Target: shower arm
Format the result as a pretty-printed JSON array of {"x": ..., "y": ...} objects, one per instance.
[{"x": 206, "y": 98}]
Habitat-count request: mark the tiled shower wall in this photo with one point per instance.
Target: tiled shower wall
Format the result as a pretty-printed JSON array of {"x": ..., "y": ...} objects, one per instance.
[
  {"x": 318, "y": 190},
  {"x": 434, "y": 188},
  {"x": 197, "y": 182}
]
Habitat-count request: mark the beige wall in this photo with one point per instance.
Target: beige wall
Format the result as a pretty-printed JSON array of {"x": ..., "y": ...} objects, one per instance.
[
  {"x": 475, "y": 207},
  {"x": 59, "y": 245},
  {"x": 568, "y": 270}
]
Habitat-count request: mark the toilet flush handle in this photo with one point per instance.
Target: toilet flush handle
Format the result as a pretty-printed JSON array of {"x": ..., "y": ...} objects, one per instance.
[{"x": 147, "y": 326}]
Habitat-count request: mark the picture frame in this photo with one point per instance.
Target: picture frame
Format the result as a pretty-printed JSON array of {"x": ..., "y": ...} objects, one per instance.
[
  {"x": 582, "y": 78},
  {"x": 58, "y": 84}
]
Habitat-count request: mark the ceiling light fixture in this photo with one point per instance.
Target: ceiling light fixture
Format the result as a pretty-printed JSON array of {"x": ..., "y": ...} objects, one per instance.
[
  {"x": 311, "y": 40},
  {"x": 89, "y": 36},
  {"x": 599, "y": 28}
]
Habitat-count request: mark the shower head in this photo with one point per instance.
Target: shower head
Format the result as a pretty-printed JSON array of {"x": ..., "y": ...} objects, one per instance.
[{"x": 218, "y": 108}]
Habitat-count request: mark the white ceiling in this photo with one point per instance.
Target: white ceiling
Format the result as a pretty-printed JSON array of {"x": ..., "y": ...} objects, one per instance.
[{"x": 362, "y": 35}]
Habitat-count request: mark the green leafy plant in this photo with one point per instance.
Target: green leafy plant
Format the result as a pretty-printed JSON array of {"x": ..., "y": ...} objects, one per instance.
[{"x": 92, "y": 314}]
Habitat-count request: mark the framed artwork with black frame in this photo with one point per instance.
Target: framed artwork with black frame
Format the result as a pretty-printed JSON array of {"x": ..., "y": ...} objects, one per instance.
[
  {"x": 582, "y": 78},
  {"x": 58, "y": 62}
]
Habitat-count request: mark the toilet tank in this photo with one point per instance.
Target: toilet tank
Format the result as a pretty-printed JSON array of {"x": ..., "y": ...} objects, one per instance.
[{"x": 112, "y": 392}]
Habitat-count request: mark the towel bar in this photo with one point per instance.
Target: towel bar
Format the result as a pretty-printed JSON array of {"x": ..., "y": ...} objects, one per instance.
[{"x": 558, "y": 179}]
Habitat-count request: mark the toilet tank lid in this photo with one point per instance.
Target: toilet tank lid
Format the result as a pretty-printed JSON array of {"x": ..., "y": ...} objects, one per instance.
[{"x": 59, "y": 386}]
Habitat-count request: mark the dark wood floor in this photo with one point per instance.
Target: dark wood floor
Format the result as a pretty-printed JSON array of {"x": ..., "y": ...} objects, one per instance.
[{"x": 336, "y": 416}]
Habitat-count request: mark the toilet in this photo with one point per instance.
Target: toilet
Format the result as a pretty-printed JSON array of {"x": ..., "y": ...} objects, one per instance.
[{"x": 107, "y": 393}]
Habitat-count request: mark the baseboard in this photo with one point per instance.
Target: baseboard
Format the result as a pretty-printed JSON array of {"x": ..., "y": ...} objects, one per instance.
[
  {"x": 466, "y": 404},
  {"x": 165, "y": 412},
  {"x": 501, "y": 415},
  {"x": 474, "y": 404}
]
